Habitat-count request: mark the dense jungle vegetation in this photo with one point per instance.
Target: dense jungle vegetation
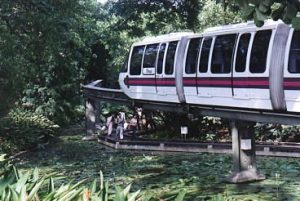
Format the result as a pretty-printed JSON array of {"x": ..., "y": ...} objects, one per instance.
[{"x": 49, "y": 48}]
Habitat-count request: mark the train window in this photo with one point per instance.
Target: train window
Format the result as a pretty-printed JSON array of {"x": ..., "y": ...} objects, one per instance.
[
  {"x": 205, "y": 55},
  {"x": 169, "y": 67},
  {"x": 160, "y": 60},
  {"x": 192, "y": 55},
  {"x": 222, "y": 54},
  {"x": 136, "y": 60},
  {"x": 241, "y": 54},
  {"x": 125, "y": 64},
  {"x": 294, "y": 58},
  {"x": 150, "y": 56},
  {"x": 259, "y": 52}
]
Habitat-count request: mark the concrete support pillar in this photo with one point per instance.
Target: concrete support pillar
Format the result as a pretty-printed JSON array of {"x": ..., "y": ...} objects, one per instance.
[
  {"x": 92, "y": 115},
  {"x": 243, "y": 150},
  {"x": 98, "y": 111}
]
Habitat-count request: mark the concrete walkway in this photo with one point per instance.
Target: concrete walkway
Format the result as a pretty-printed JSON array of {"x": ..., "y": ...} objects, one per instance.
[{"x": 280, "y": 149}]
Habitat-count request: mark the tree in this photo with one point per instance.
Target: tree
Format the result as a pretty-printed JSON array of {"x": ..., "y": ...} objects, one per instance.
[
  {"x": 44, "y": 48},
  {"x": 287, "y": 11},
  {"x": 213, "y": 14},
  {"x": 158, "y": 11}
]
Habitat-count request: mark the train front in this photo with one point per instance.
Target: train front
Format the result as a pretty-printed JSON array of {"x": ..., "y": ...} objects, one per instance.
[{"x": 124, "y": 78}]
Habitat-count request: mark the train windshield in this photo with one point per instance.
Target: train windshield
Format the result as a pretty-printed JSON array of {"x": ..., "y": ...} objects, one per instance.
[{"x": 125, "y": 64}]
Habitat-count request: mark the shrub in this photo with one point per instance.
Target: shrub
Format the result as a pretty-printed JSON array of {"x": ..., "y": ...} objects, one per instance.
[
  {"x": 277, "y": 132},
  {"x": 31, "y": 186},
  {"x": 22, "y": 129}
]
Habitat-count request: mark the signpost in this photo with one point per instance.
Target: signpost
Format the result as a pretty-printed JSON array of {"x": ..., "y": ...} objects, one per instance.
[{"x": 184, "y": 131}]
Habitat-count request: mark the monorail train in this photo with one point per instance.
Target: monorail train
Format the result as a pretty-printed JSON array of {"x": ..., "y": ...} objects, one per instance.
[{"x": 235, "y": 66}]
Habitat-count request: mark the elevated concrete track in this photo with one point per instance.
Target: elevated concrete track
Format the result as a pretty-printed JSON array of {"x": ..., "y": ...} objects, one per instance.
[
  {"x": 97, "y": 92},
  {"x": 241, "y": 126}
]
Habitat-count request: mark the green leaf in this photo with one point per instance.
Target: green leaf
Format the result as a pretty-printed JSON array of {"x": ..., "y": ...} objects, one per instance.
[
  {"x": 291, "y": 11},
  {"x": 94, "y": 186},
  {"x": 105, "y": 191},
  {"x": 17, "y": 174},
  {"x": 268, "y": 3},
  {"x": 126, "y": 190},
  {"x": 278, "y": 14},
  {"x": 296, "y": 23},
  {"x": 2, "y": 157},
  {"x": 247, "y": 12},
  {"x": 13, "y": 193},
  {"x": 101, "y": 180},
  {"x": 242, "y": 3},
  {"x": 119, "y": 196},
  {"x": 6, "y": 196},
  {"x": 71, "y": 195},
  {"x": 254, "y": 2},
  {"x": 180, "y": 195},
  {"x": 21, "y": 182},
  {"x": 35, "y": 189},
  {"x": 8, "y": 179},
  {"x": 134, "y": 196},
  {"x": 263, "y": 8},
  {"x": 260, "y": 16},
  {"x": 23, "y": 194},
  {"x": 35, "y": 175},
  {"x": 77, "y": 184},
  {"x": 51, "y": 187}
]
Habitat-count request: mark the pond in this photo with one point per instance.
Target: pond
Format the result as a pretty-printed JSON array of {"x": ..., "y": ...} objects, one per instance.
[{"x": 164, "y": 174}]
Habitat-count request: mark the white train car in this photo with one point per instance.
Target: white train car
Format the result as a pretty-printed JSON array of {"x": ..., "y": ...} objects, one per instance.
[
  {"x": 151, "y": 69},
  {"x": 234, "y": 66}
]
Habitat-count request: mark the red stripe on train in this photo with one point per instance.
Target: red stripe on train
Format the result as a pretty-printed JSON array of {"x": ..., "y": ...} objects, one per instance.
[{"x": 251, "y": 83}]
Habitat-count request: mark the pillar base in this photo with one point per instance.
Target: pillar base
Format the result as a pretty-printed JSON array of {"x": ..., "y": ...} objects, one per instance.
[
  {"x": 91, "y": 137},
  {"x": 245, "y": 176}
]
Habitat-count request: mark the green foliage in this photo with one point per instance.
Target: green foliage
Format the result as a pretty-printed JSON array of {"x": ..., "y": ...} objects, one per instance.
[
  {"x": 157, "y": 14},
  {"x": 199, "y": 128},
  {"x": 163, "y": 175},
  {"x": 266, "y": 9},
  {"x": 31, "y": 186},
  {"x": 277, "y": 132},
  {"x": 214, "y": 14},
  {"x": 23, "y": 129},
  {"x": 44, "y": 46}
]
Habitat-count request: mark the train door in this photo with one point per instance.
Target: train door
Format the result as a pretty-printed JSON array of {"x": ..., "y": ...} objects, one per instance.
[
  {"x": 203, "y": 76},
  {"x": 148, "y": 87},
  {"x": 220, "y": 68},
  {"x": 160, "y": 66},
  {"x": 191, "y": 64},
  {"x": 251, "y": 70},
  {"x": 165, "y": 81},
  {"x": 292, "y": 72},
  {"x": 240, "y": 73},
  {"x": 141, "y": 79},
  {"x": 258, "y": 80},
  {"x": 134, "y": 79}
]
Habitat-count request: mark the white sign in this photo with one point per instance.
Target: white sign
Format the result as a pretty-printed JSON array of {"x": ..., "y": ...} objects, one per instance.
[
  {"x": 184, "y": 130},
  {"x": 246, "y": 144},
  {"x": 148, "y": 71}
]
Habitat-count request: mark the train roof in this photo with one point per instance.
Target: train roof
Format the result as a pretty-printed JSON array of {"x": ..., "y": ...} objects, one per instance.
[
  {"x": 241, "y": 27},
  {"x": 165, "y": 37},
  {"x": 224, "y": 29}
]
